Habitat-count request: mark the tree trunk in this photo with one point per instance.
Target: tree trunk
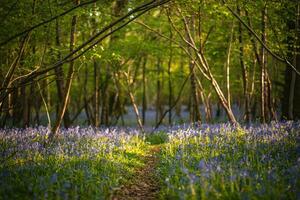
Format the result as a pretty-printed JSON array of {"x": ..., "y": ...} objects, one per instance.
[
  {"x": 194, "y": 108},
  {"x": 263, "y": 68},
  {"x": 247, "y": 116},
  {"x": 85, "y": 100},
  {"x": 25, "y": 106},
  {"x": 296, "y": 110},
  {"x": 206, "y": 102},
  {"x": 270, "y": 103},
  {"x": 227, "y": 66},
  {"x": 69, "y": 78},
  {"x": 105, "y": 99},
  {"x": 96, "y": 91},
  {"x": 170, "y": 79},
  {"x": 136, "y": 110},
  {"x": 60, "y": 80},
  {"x": 144, "y": 99},
  {"x": 159, "y": 109},
  {"x": 291, "y": 93}
]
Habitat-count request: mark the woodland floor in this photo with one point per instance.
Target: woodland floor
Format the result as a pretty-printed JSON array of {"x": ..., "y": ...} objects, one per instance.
[{"x": 145, "y": 184}]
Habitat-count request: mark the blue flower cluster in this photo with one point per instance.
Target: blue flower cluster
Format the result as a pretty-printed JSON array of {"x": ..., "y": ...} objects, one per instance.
[{"x": 225, "y": 162}]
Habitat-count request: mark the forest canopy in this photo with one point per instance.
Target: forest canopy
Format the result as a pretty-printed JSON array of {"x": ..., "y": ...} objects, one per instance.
[{"x": 93, "y": 62}]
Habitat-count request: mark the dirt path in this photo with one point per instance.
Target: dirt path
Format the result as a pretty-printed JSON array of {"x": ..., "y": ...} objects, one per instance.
[{"x": 145, "y": 185}]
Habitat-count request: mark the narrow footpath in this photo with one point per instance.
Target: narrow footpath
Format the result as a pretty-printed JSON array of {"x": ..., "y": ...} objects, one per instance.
[{"x": 145, "y": 185}]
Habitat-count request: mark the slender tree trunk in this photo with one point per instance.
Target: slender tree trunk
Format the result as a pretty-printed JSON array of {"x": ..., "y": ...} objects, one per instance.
[
  {"x": 47, "y": 93},
  {"x": 179, "y": 106},
  {"x": 60, "y": 80},
  {"x": 159, "y": 109},
  {"x": 10, "y": 105},
  {"x": 105, "y": 99},
  {"x": 144, "y": 99},
  {"x": 129, "y": 87},
  {"x": 45, "y": 103},
  {"x": 85, "y": 100},
  {"x": 194, "y": 108},
  {"x": 291, "y": 94},
  {"x": 69, "y": 78},
  {"x": 223, "y": 101},
  {"x": 96, "y": 91},
  {"x": 270, "y": 103},
  {"x": 227, "y": 66},
  {"x": 96, "y": 78},
  {"x": 206, "y": 101},
  {"x": 170, "y": 79},
  {"x": 25, "y": 106},
  {"x": 117, "y": 106},
  {"x": 17, "y": 94},
  {"x": 296, "y": 109},
  {"x": 37, "y": 107},
  {"x": 136, "y": 110},
  {"x": 257, "y": 60},
  {"x": 263, "y": 67},
  {"x": 247, "y": 116},
  {"x": 107, "y": 94}
]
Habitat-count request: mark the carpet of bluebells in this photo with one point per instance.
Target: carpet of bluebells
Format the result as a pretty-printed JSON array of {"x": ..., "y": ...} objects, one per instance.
[
  {"x": 217, "y": 161},
  {"x": 225, "y": 162},
  {"x": 82, "y": 163}
]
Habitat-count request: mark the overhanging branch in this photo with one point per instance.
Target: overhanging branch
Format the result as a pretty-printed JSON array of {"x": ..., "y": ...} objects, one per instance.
[{"x": 45, "y": 22}]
